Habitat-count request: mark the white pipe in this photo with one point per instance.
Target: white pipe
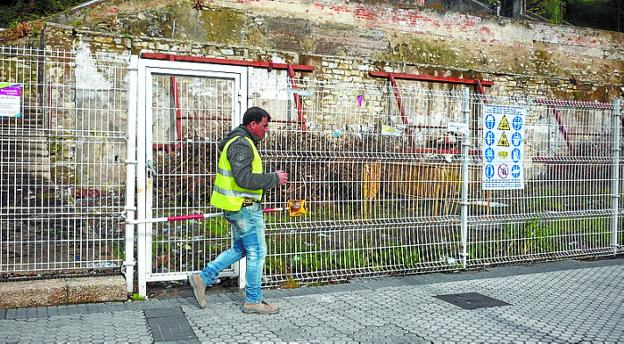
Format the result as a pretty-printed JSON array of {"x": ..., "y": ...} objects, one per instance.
[
  {"x": 88, "y": 3},
  {"x": 464, "y": 177},
  {"x": 615, "y": 197},
  {"x": 130, "y": 207},
  {"x": 141, "y": 178}
]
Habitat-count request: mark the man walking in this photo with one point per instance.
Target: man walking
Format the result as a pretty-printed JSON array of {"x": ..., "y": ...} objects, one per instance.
[{"x": 238, "y": 191}]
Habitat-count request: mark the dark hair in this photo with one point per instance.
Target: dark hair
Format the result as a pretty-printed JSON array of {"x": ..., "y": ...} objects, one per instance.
[{"x": 255, "y": 114}]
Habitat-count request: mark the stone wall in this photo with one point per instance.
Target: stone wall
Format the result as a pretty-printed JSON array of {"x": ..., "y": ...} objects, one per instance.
[
  {"x": 526, "y": 58},
  {"x": 344, "y": 41}
]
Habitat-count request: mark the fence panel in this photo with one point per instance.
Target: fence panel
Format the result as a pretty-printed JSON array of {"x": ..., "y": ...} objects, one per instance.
[
  {"x": 62, "y": 165},
  {"x": 565, "y": 208},
  {"x": 379, "y": 169},
  {"x": 382, "y": 182},
  {"x": 381, "y": 186},
  {"x": 620, "y": 226}
]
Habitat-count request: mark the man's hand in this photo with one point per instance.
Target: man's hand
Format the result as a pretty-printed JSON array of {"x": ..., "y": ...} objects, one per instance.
[{"x": 282, "y": 177}]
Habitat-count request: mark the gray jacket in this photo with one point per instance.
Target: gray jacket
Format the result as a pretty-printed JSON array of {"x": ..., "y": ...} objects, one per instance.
[{"x": 240, "y": 156}]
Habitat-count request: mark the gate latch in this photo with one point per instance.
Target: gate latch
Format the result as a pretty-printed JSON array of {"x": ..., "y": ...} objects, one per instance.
[{"x": 149, "y": 165}]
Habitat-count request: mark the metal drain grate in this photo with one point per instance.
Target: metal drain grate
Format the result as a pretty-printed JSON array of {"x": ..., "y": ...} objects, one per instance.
[
  {"x": 170, "y": 325},
  {"x": 471, "y": 300}
]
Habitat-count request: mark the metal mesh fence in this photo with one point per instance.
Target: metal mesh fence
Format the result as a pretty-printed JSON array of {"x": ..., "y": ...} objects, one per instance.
[
  {"x": 62, "y": 165},
  {"x": 383, "y": 184},
  {"x": 382, "y": 188},
  {"x": 565, "y": 207}
]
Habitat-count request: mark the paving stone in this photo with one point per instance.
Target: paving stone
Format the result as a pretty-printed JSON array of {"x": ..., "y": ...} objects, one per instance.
[{"x": 577, "y": 302}]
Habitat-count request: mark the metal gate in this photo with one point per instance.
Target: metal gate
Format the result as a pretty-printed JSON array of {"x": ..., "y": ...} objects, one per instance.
[{"x": 184, "y": 109}]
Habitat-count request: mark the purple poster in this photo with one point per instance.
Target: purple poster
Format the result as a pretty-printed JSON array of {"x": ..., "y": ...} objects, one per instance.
[{"x": 10, "y": 99}]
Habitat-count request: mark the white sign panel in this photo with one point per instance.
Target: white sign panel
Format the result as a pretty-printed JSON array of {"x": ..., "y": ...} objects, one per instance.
[
  {"x": 458, "y": 127},
  {"x": 10, "y": 100},
  {"x": 503, "y": 147}
]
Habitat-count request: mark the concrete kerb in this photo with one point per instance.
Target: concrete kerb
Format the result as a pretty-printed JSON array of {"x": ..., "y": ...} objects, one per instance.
[
  {"x": 62, "y": 291},
  {"x": 68, "y": 291}
]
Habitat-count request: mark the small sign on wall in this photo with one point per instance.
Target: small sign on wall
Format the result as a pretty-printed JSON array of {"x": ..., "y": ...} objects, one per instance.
[{"x": 10, "y": 99}]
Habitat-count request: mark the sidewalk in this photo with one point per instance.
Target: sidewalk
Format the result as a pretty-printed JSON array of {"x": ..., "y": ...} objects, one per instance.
[{"x": 567, "y": 302}]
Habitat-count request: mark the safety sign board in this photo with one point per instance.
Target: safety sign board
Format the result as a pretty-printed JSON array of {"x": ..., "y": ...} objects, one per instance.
[
  {"x": 10, "y": 99},
  {"x": 503, "y": 147}
]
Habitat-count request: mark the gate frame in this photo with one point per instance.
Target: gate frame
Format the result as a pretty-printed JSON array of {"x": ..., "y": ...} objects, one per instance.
[
  {"x": 130, "y": 208},
  {"x": 144, "y": 168}
]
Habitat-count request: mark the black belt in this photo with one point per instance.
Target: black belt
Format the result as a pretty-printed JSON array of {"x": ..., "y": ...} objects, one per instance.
[{"x": 249, "y": 201}]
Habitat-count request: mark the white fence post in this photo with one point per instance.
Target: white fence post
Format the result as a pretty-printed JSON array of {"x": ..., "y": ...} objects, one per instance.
[
  {"x": 615, "y": 197},
  {"x": 141, "y": 181},
  {"x": 130, "y": 207},
  {"x": 464, "y": 177}
]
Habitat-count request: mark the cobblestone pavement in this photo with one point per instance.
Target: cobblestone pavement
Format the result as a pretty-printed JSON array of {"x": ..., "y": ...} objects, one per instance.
[{"x": 562, "y": 302}]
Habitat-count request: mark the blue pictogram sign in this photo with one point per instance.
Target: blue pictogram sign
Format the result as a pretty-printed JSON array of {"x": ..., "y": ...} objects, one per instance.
[
  {"x": 489, "y": 138},
  {"x": 489, "y": 154},
  {"x": 516, "y": 139},
  {"x": 490, "y": 121},
  {"x": 517, "y": 123},
  {"x": 503, "y": 171},
  {"x": 515, "y": 155},
  {"x": 489, "y": 171},
  {"x": 515, "y": 171}
]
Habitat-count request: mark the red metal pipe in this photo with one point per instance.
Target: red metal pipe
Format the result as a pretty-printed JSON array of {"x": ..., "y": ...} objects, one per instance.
[
  {"x": 431, "y": 78},
  {"x": 576, "y": 103},
  {"x": 178, "y": 120},
  {"x": 261, "y": 64},
  {"x": 562, "y": 128},
  {"x": 397, "y": 95},
  {"x": 298, "y": 101},
  {"x": 175, "y": 91},
  {"x": 480, "y": 89},
  {"x": 207, "y": 118}
]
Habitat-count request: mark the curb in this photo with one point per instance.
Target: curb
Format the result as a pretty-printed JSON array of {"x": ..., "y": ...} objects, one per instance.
[{"x": 64, "y": 291}]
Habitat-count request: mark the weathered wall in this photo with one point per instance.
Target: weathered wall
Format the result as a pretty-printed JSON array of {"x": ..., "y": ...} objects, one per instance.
[
  {"x": 521, "y": 57},
  {"x": 344, "y": 41}
]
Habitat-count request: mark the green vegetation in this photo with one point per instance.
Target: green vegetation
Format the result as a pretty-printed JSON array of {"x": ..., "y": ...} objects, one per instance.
[
  {"x": 118, "y": 250},
  {"x": 216, "y": 227},
  {"x": 223, "y": 25},
  {"x": 17, "y": 11},
  {"x": 410, "y": 49},
  {"x": 600, "y": 14},
  {"x": 347, "y": 259},
  {"x": 136, "y": 297},
  {"x": 543, "y": 237}
]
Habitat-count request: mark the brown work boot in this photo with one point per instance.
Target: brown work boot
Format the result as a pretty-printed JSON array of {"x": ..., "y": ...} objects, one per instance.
[
  {"x": 199, "y": 289},
  {"x": 260, "y": 308}
]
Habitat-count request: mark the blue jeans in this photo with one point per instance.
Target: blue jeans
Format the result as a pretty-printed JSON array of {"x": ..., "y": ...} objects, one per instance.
[{"x": 248, "y": 235}]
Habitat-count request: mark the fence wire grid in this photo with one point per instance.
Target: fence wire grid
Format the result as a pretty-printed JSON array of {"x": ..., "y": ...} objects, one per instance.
[
  {"x": 382, "y": 183},
  {"x": 62, "y": 172}
]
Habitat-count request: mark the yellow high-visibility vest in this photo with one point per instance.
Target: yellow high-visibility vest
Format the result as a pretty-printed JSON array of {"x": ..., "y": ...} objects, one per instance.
[{"x": 226, "y": 194}]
